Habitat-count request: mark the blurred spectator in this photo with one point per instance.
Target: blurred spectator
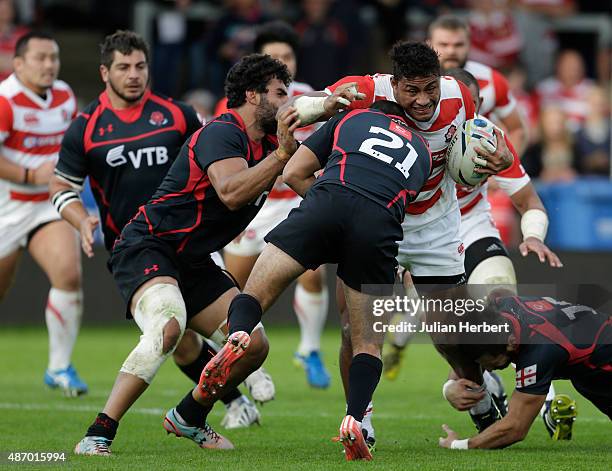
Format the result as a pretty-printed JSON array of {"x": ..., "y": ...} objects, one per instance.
[
  {"x": 9, "y": 34},
  {"x": 202, "y": 101},
  {"x": 170, "y": 31},
  {"x": 552, "y": 159},
  {"x": 231, "y": 38},
  {"x": 593, "y": 140},
  {"x": 495, "y": 40},
  {"x": 324, "y": 51},
  {"x": 568, "y": 89},
  {"x": 527, "y": 103},
  {"x": 533, "y": 20}
]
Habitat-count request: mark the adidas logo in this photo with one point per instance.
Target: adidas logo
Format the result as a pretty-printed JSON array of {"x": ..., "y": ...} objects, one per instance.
[{"x": 493, "y": 247}]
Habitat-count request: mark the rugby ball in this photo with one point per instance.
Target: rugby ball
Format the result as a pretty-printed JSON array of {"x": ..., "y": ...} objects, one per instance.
[{"x": 460, "y": 151}]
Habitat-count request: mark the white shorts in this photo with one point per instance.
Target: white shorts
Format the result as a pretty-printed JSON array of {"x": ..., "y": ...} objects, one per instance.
[
  {"x": 434, "y": 250},
  {"x": 18, "y": 219},
  {"x": 477, "y": 225},
  {"x": 273, "y": 212}
]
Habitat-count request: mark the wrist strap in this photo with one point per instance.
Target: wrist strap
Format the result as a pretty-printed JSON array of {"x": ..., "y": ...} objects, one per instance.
[
  {"x": 460, "y": 444},
  {"x": 447, "y": 385}
]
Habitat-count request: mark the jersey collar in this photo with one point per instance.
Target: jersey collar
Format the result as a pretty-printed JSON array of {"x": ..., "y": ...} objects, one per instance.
[{"x": 127, "y": 115}]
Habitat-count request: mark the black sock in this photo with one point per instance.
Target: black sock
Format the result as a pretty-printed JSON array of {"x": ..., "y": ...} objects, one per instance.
[
  {"x": 244, "y": 314},
  {"x": 194, "y": 369},
  {"x": 103, "y": 426},
  {"x": 364, "y": 374},
  {"x": 192, "y": 412}
]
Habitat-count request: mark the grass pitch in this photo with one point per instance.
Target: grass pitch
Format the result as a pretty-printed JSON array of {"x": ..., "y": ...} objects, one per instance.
[{"x": 296, "y": 428}]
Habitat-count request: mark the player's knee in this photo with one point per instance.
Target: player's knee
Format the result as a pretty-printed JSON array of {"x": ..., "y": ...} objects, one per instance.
[
  {"x": 312, "y": 281},
  {"x": 496, "y": 270},
  {"x": 345, "y": 332},
  {"x": 67, "y": 277},
  {"x": 161, "y": 316},
  {"x": 188, "y": 349},
  {"x": 171, "y": 335}
]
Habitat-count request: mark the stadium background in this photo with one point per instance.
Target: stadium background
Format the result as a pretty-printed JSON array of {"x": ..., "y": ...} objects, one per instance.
[{"x": 195, "y": 42}]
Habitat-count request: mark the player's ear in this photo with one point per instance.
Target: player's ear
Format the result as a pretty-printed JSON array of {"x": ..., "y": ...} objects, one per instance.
[
  {"x": 252, "y": 97},
  {"x": 513, "y": 344},
  {"x": 17, "y": 63},
  {"x": 104, "y": 72}
]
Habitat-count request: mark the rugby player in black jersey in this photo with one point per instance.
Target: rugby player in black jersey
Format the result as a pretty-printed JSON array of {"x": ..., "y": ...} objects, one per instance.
[
  {"x": 547, "y": 339},
  {"x": 125, "y": 142},
  {"x": 374, "y": 166}
]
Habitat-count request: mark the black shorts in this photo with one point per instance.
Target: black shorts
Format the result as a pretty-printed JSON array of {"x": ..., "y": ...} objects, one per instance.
[
  {"x": 597, "y": 388},
  {"x": 334, "y": 224},
  {"x": 134, "y": 262},
  {"x": 481, "y": 250}
]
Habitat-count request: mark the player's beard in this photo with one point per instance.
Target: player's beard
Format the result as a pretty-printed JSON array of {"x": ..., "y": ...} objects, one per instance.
[
  {"x": 265, "y": 114},
  {"x": 128, "y": 99}
]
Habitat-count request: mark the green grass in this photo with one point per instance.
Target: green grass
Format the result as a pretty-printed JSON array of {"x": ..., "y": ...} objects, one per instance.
[{"x": 297, "y": 426}]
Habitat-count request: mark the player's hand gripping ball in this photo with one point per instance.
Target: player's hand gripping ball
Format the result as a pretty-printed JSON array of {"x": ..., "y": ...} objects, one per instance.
[{"x": 461, "y": 157}]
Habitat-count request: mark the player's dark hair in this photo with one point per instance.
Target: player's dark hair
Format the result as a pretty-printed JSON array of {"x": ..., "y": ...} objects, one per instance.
[
  {"x": 448, "y": 22},
  {"x": 476, "y": 344},
  {"x": 123, "y": 41},
  {"x": 253, "y": 73},
  {"x": 275, "y": 32},
  {"x": 21, "y": 46},
  {"x": 411, "y": 59},
  {"x": 388, "y": 107},
  {"x": 464, "y": 77}
]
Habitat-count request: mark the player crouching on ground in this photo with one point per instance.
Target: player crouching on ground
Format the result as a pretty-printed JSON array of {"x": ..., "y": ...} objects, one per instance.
[
  {"x": 359, "y": 184},
  {"x": 547, "y": 339}
]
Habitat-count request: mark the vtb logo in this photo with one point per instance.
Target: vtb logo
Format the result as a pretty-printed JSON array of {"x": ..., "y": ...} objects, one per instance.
[
  {"x": 151, "y": 269},
  {"x": 157, "y": 155}
]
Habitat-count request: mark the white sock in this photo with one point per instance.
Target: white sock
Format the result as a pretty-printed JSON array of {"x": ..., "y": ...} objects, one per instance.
[
  {"x": 366, "y": 423},
  {"x": 63, "y": 316},
  {"x": 483, "y": 405},
  {"x": 549, "y": 397},
  {"x": 311, "y": 311}
]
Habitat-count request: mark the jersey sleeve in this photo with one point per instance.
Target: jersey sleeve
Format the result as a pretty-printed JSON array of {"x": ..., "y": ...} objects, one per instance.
[
  {"x": 365, "y": 85},
  {"x": 536, "y": 367},
  {"x": 505, "y": 102},
  {"x": 321, "y": 142},
  {"x": 219, "y": 141},
  {"x": 72, "y": 163},
  {"x": 514, "y": 177},
  {"x": 6, "y": 118}
]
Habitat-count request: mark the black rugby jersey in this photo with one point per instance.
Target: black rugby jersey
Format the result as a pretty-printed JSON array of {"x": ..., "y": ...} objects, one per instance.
[
  {"x": 186, "y": 211},
  {"x": 374, "y": 155},
  {"x": 126, "y": 153},
  {"x": 559, "y": 340}
]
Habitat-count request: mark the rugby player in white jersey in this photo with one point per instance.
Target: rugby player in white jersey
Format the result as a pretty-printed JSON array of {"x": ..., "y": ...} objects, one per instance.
[
  {"x": 431, "y": 250},
  {"x": 35, "y": 111}
]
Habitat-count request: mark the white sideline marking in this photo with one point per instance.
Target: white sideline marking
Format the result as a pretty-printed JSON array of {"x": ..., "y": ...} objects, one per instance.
[{"x": 160, "y": 412}]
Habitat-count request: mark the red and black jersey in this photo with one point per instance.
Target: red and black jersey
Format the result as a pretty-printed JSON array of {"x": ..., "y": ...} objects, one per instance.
[
  {"x": 125, "y": 153},
  {"x": 186, "y": 211},
  {"x": 560, "y": 340},
  {"x": 374, "y": 155}
]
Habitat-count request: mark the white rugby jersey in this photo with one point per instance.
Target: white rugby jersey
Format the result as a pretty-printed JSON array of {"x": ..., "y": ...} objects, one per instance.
[
  {"x": 494, "y": 90},
  {"x": 438, "y": 197},
  {"x": 31, "y": 131},
  {"x": 473, "y": 200}
]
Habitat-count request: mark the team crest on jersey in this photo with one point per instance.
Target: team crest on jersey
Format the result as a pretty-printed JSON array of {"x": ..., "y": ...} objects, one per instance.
[
  {"x": 31, "y": 119},
  {"x": 526, "y": 376},
  {"x": 539, "y": 306},
  {"x": 157, "y": 118},
  {"x": 450, "y": 133}
]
